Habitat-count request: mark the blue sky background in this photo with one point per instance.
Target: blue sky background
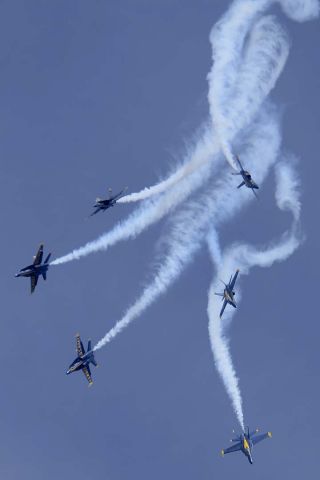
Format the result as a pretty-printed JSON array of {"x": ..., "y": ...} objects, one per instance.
[{"x": 98, "y": 94}]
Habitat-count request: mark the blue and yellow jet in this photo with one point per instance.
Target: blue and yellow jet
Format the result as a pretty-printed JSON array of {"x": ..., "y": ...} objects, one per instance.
[
  {"x": 83, "y": 360},
  {"x": 245, "y": 442},
  {"x": 228, "y": 293},
  {"x": 246, "y": 177},
  {"x": 104, "y": 204}
]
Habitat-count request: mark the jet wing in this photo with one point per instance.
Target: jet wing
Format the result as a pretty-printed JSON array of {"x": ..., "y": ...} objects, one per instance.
[
  {"x": 34, "y": 281},
  {"x": 223, "y": 307},
  {"x": 79, "y": 346},
  {"x": 233, "y": 281},
  {"x": 97, "y": 209},
  {"x": 86, "y": 371},
  {"x": 261, "y": 437},
  {"x": 233, "y": 448},
  {"x": 37, "y": 259}
]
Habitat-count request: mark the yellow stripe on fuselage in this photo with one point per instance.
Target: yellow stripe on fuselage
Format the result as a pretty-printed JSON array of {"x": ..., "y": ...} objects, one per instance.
[{"x": 245, "y": 444}]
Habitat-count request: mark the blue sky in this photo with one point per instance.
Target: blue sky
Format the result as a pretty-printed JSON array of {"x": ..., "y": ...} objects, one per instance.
[{"x": 107, "y": 95}]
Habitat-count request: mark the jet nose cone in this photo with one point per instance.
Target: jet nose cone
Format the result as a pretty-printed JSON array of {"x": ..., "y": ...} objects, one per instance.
[
  {"x": 67, "y": 372},
  {"x": 16, "y": 275}
]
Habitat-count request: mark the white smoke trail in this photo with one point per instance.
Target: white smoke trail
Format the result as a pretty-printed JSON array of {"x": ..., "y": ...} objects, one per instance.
[
  {"x": 243, "y": 71},
  {"x": 263, "y": 60},
  {"x": 244, "y": 257},
  {"x": 228, "y": 39},
  {"x": 204, "y": 150},
  {"x": 227, "y": 57},
  {"x": 241, "y": 63},
  {"x": 301, "y": 10},
  {"x": 143, "y": 217},
  {"x": 266, "y": 59},
  {"x": 191, "y": 225}
]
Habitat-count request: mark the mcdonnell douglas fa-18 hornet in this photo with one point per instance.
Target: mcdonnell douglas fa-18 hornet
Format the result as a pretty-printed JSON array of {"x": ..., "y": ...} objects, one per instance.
[
  {"x": 102, "y": 205},
  {"x": 228, "y": 293},
  {"x": 245, "y": 442},
  {"x": 83, "y": 360},
  {"x": 247, "y": 179},
  {"x": 36, "y": 269}
]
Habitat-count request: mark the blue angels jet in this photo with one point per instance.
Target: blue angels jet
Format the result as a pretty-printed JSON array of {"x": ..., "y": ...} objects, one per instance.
[
  {"x": 83, "y": 360},
  {"x": 245, "y": 443},
  {"x": 247, "y": 179},
  {"x": 36, "y": 269},
  {"x": 228, "y": 293},
  {"x": 104, "y": 204}
]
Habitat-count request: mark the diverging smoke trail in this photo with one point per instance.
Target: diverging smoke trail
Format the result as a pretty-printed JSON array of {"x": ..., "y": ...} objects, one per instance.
[
  {"x": 269, "y": 62},
  {"x": 244, "y": 257},
  {"x": 191, "y": 225},
  {"x": 146, "y": 215}
]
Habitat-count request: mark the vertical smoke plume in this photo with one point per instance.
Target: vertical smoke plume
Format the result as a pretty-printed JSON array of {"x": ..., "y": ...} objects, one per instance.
[
  {"x": 245, "y": 257},
  {"x": 244, "y": 45}
]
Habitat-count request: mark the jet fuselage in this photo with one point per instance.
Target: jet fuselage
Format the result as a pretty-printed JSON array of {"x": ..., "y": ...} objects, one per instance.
[
  {"x": 33, "y": 270},
  {"x": 80, "y": 362},
  {"x": 247, "y": 178},
  {"x": 104, "y": 204},
  {"x": 228, "y": 295},
  {"x": 246, "y": 447}
]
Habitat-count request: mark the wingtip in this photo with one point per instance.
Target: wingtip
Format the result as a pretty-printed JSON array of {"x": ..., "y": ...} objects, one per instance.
[
  {"x": 222, "y": 453},
  {"x": 270, "y": 434}
]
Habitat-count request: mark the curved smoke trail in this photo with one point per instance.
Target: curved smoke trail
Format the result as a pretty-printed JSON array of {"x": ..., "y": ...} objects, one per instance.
[
  {"x": 228, "y": 39},
  {"x": 263, "y": 61},
  {"x": 191, "y": 225},
  {"x": 244, "y": 257}
]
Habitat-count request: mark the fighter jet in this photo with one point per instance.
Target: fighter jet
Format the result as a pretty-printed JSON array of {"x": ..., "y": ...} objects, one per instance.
[
  {"x": 36, "y": 269},
  {"x": 245, "y": 442},
  {"x": 83, "y": 360},
  {"x": 228, "y": 293},
  {"x": 247, "y": 179},
  {"x": 102, "y": 205}
]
